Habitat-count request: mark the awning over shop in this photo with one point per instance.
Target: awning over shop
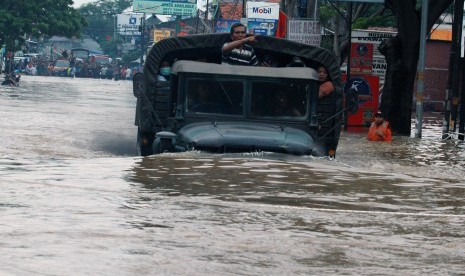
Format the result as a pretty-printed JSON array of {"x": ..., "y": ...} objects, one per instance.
[{"x": 441, "y": 34}]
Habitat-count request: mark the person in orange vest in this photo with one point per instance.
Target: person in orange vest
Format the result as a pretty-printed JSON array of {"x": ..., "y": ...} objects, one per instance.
[{"x": 380, "y": 129}]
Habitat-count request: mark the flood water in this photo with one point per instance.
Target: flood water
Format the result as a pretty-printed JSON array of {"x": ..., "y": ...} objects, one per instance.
[{"x": 76, "y": 200}]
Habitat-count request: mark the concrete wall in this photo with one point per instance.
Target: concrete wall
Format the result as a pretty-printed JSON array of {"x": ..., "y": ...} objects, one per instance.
[{"x": 436, "y": 74}]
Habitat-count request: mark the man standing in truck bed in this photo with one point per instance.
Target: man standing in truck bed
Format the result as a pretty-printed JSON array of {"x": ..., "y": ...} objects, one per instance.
[{"x": 237, "y": 52}]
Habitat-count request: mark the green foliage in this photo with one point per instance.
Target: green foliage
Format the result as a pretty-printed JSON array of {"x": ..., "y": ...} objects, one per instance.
[
  {"x": 131, "y": 56},
  {"x": 376, "y": 21},
  {"x": 20, "y": 20},
  {"x": 100, "y": 16},
  {"x": 327, "y": 15}
]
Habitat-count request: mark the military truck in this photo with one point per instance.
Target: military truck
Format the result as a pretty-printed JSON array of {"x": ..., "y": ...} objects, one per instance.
[{"x": 219, "y": 108}]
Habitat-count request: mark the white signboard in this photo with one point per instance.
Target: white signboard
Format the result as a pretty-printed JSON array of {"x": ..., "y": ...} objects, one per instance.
[
  {"x": 262, "y": 10},
  {"x": 360, "y": 1},
  {"x": 167, "y": 7},
  {"x": 375, "y": 38},
  {"x": 462, "y": 51},
  {"x": 304, "y": 31},
  {"x": 128, "y": 24}
]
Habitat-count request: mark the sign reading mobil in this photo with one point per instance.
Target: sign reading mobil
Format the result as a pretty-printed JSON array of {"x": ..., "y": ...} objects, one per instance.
[
  {"x": 166, "y": 7},
  {"x": 263, "y": 10},
  {"x": 262, "y": 18}
]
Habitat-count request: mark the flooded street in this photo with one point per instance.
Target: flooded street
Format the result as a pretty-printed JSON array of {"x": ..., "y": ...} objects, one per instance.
[{"x": 76, "y": 200}]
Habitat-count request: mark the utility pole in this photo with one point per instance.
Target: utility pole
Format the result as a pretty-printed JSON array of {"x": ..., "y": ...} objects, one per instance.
[
  {"x": 459, "y": 15},
  {"x": 349, "y": 15},
  {"x": 421, "y": 70},
  {"x": 142, "y": 39},
  {"x": 457, "y": 25},
  {"x": 451, "y": 102},
  {"x": 206, "y": 17}
]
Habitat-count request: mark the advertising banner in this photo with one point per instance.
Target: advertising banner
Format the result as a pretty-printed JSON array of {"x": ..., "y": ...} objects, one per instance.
[
  {"x": 263, "y": 10},
  {"x": 375, "y": 38},
  {"x": 262, "y": 18},
  {"x": 361, "y": 58},
  {"x": 367, "y": 88},
  {"x": 224, "y": 25},
  {"x": 128, "y": 24},
  {"x": 304, "y": 31},
  {"x": 160, "y": 34},
  {"x": 166, "y": 7},
  {"x": 259, "y": 26}
]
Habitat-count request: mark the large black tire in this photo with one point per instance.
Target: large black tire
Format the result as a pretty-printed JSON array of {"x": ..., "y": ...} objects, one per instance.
[
  {"x": 145, "y": 143},
  {"x": 161, "y": 105}
]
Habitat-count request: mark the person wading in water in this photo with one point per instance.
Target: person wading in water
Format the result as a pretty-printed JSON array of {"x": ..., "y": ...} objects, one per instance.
[{"x": 380, "y": 129}]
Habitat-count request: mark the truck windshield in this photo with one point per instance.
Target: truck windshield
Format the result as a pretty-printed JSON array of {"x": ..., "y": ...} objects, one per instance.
[
  {"x": 278, "y": 99},
  {"x": 219, "y": 96}
]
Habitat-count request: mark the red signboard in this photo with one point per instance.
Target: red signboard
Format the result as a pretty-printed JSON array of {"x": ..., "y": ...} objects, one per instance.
[
  {"x": 367, "y": 88},
  {"x": 361, "y": 58}
]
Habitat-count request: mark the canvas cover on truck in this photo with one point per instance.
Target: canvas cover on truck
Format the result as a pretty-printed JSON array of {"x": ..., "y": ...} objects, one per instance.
[
  {"x": 209, "y": 47},
  {"x": 152, "y": 115}
]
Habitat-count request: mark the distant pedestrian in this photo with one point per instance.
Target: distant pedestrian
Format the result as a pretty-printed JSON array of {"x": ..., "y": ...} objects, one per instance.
[
  {"x": 380, "y": 129},
  {"x": 128, "y": 73}
]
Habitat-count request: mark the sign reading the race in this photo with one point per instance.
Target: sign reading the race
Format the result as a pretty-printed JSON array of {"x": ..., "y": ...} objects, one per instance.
[
  {"x": 128, "y": 24},
  {"x": 166, "y": 7},
  {"x": 304, "y": 31}
]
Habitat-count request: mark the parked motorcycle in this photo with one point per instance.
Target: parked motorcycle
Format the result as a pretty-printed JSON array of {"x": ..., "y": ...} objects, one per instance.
[{"x": 11, "y": 79}]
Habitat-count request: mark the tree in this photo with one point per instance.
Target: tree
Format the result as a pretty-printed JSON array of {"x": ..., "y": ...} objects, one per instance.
[
  {"x": 334, "y": 16},
  {"x": 20, "y": 20},
  {"x": 100, "y": 16},
  {"x": 402, "y": 53}
]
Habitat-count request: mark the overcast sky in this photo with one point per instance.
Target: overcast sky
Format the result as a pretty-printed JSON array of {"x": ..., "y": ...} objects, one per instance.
[{"x": 78, "y": 3}]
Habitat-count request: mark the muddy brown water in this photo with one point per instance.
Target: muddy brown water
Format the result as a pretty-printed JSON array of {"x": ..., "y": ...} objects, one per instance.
[{"x": 76, "y": 200}]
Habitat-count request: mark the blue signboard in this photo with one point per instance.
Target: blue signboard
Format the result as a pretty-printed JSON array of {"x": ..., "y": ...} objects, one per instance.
[
  {"x": 224, "y": 25},
  {"x": 362, "y": 87},
  {"x": 260, "y": 26}
]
